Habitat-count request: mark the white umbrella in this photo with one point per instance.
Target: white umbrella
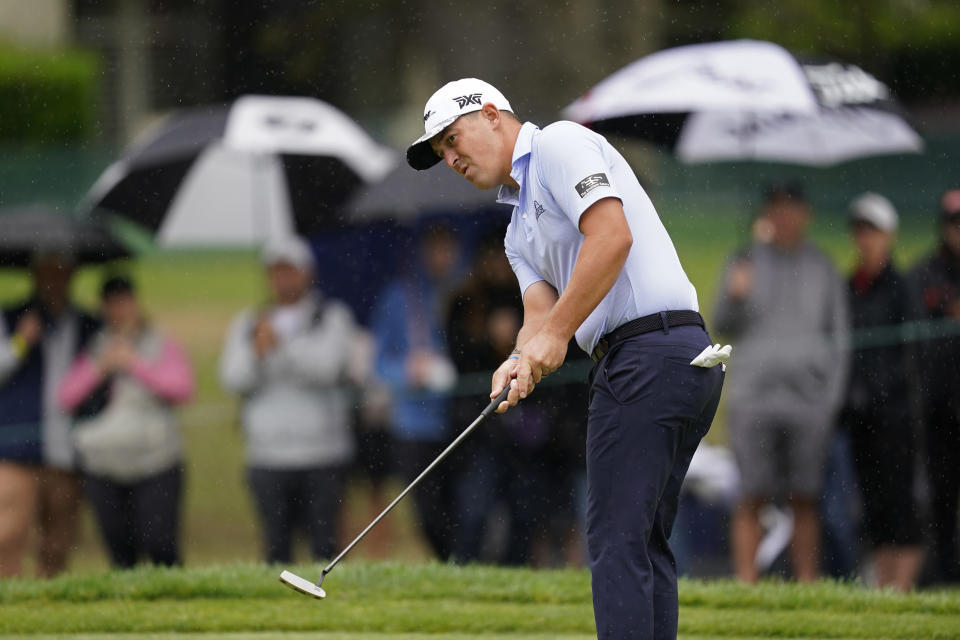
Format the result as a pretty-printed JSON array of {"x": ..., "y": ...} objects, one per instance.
[
  {"x": 243, "y": 173},
  {"x": 748, "y": 99},
  {"x": 827, "y": 137},
  {"x": 736, "y": 75}
]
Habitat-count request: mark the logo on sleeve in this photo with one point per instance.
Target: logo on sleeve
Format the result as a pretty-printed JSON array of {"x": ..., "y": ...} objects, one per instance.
[
  {"x": 462, "y": 101},
  {"x": 538, "y": 209},
  {"x": 591, "y": 182}
]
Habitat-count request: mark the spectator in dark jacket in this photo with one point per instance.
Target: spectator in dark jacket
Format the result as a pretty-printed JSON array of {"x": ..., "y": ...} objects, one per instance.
[
  {"x": 522, "y": 460},
  {"x": 877, "y": 409},
  {"x": 38, "y": 340},
  {"x": 938, "y": 283}
]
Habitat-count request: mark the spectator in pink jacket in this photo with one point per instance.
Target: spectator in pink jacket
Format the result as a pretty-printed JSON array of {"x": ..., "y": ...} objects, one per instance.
[{"x": 122, "y": 391}]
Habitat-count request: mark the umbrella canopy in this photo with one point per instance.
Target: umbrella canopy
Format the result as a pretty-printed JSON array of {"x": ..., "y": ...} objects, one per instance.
[
  {"x": 242, "y": 173},
  {"x": 31, "y": 229},
  {"x": 406, "y": 194},
  {"x": 748, "y": 99}
]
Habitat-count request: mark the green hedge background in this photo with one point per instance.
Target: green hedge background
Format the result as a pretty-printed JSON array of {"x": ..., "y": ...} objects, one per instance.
[{"x": 47, "y": 96}]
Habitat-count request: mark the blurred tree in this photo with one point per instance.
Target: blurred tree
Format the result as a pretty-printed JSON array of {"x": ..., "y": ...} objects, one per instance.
[
  {"x": 370, "y": 56},
  {"x": 46, "y": 96},
  {"x": 913, "y": 45},
  {"x": 378, "y": 59}
]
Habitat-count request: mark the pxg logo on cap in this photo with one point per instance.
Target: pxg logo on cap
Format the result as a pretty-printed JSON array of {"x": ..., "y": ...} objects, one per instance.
[
  {"x": 473, "y": 98},
  {"x": 451, "y": 101}
]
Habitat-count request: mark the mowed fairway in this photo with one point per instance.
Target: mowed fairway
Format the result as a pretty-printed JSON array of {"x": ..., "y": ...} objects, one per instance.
[{"x": 380, "y": 601}]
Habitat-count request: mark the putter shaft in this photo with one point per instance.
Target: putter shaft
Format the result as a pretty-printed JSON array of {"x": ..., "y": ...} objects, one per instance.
[{"x": 453, "y": 445}]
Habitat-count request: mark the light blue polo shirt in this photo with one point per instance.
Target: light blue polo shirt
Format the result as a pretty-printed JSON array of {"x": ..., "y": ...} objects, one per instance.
[{"x": 562, "y": 170}]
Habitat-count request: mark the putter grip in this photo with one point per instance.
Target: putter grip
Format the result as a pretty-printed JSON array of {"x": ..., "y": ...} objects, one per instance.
[{"x": 496, "y": 401}]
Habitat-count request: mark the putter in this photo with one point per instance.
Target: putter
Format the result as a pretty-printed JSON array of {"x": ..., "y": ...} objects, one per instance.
[{"x": 313, "y": 589}]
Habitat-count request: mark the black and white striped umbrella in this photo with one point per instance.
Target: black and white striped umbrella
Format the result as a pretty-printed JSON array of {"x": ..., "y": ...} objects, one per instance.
[
  {"x": 240, "y": 174},
  {"x": 748, "y": 100}
]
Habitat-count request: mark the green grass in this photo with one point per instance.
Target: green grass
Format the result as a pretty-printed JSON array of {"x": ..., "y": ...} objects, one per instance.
[{"x": 391, "y": 600}]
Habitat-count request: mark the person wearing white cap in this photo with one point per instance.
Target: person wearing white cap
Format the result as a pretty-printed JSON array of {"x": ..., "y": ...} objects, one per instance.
[
  {"x": 594, "y": 262},
  {"x": 288, "y": 361},
  {"x": 876, "y": 412}
]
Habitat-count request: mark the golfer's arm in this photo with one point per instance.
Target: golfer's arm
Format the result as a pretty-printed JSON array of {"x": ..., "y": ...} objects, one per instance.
[
  {"x": 538, "y": 300},
  {"x": 606, "y": 244}
]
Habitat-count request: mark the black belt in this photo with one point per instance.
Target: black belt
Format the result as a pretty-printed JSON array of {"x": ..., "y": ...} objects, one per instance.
[{"x": 646, "y": 324}]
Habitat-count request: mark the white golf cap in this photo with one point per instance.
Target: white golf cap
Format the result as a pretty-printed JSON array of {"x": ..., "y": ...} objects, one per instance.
[
  {"x": 292, "y": 250},
  {"x": 876, "y": 210},
  {"x": 451, "y": 101}
]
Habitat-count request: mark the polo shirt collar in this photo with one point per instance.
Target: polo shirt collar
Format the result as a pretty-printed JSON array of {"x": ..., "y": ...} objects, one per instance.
[{"x": 520, "y": 161}]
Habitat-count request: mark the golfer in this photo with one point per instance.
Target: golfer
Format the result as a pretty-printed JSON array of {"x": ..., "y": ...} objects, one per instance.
[{"x": 594, "y": 262}]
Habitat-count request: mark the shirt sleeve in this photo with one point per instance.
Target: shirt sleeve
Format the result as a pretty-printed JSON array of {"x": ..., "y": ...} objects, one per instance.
[
  {"x": 81, "y": 379},
  {"x": 170, "y": 376},
  {"x": 526, "y": 274},
  {"x": 572, "y": 167}
]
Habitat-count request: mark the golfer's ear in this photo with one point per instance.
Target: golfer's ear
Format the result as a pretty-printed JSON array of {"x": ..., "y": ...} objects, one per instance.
[{"x": 490, "y": 112}]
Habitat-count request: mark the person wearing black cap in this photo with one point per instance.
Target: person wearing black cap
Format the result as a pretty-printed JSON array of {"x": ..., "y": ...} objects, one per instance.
[
  {"x": 785, "y": 304},
  {"x": 122, "y": 390},
  {"x": 937, "y": 281}
]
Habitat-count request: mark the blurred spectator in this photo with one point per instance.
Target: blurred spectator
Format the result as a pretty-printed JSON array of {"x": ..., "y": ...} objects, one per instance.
[
  {"x": 937, "y": 280},
  {"x": 38, "y": 340},
  {"x": 122, "y": 389},
  {"x": 784, "y": 305},
  {"x": 522, "y": 460},
  {"x": 408, "y": 324},
  {"x": 289, "y": 362},
  {"x": 877, "y": 409},
  {"x": 374, "y": 464}
]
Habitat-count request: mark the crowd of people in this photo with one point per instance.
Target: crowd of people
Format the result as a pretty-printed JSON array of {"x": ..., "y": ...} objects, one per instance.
[
  {"x": 87, "y": 406},
  {"x": 828, "y": 389},
  {"x": 829, "y": 377}
]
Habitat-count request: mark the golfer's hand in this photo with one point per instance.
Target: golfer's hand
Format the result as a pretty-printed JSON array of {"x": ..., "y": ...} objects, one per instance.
[
  {"x": 505, "y": 374},
  {"x": 541, "y": 355}
]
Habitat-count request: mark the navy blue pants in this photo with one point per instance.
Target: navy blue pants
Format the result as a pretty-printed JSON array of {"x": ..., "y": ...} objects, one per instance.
[{"x": 649, "y": 408}]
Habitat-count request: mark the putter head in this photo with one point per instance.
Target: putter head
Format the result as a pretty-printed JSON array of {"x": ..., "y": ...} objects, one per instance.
[{"x": 302, "y": 585}]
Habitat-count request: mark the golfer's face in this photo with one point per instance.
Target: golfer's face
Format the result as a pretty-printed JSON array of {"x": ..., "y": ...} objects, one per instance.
[{"x": 468, "y": 146}]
